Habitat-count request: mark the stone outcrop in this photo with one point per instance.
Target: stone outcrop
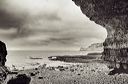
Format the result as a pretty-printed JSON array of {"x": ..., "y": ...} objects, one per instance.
[
  {"x": 3, "y": 69},
  {"x": 112, "y": 15},
  {"x": 3, "y": 53}
]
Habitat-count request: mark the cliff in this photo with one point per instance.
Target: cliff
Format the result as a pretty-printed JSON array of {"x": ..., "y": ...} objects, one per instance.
[
  {"x": 95, "y": 47},
  {"x": 112, "y": 15}
]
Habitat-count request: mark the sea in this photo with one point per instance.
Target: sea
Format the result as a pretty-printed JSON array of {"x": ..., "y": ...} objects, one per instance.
[{"x": 21, "y": 59}]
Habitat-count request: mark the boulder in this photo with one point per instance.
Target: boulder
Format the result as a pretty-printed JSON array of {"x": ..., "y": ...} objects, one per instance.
[{"x": 20, "y": 79}]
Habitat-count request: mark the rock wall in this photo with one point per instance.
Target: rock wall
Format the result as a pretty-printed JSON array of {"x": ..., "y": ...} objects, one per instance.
[
  {"x": 3, "y": 69},
  {"x": 113, "y": 15}
]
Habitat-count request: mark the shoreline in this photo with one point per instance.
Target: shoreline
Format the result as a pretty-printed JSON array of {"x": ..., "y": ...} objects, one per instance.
[
  {"x": 92, "y": 72},
  {"x": 61, "y": 60},
  {"x": 77, "y": 58}
]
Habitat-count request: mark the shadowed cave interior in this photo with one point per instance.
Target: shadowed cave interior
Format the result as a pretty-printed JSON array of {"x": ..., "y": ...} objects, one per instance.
[{"x": 112, "y": 15}]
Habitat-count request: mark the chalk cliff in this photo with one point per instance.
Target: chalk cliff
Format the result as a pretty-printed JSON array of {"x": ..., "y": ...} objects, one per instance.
[
  {"x": 95, "y": 47},
  {"x": 112, "y": 15}
]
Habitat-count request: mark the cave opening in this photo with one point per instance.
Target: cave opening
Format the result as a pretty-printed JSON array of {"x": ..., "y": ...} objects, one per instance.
[{"x": 111, "y": 14}]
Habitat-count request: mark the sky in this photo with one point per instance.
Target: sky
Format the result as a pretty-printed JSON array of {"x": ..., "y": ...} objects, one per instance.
[{"x": 46, "y": 25}]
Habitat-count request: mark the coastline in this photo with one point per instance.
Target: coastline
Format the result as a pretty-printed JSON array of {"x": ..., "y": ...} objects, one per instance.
[{"x": 91, "y": 72}]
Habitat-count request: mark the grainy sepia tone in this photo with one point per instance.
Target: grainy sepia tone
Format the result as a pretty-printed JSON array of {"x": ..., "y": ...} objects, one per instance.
[{"x": 63, "y": 42}]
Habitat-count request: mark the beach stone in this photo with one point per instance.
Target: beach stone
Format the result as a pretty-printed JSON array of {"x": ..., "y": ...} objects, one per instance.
[
  {"x": 112, "y": 15},
  {"x": 62, "y": 69},
  {"x": 125, "y": 66},
  {"x": 32, "y": 74},
  {"x": 20, "y": 79},
  {"x": 117, "y": 65},
  {"x": 36, "y": 68},
  {"x": 40, "y": 77},
  {"x": 51, "y": 68},
  {"x": 78, "y": 74},
  {"x": 72, "y": 70},
  {"x": 92, "y": 70}
]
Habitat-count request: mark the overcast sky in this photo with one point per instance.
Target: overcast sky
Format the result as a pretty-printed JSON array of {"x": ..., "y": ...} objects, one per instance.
[{"x": 46, "y": 25}]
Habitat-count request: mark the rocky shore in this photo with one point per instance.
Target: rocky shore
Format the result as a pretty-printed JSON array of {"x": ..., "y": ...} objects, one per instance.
[
  {"x": 91, "y": 72},
  {"x": 77, "y": 58}
]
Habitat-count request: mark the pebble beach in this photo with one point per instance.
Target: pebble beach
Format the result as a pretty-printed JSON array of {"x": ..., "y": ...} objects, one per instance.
[{"x": 93, "y": 72}]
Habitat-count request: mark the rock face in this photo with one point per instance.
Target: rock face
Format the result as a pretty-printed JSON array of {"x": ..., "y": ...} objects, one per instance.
[
  {"x": 3, "y": 69},
  {"x": 3, "y": 53},
  {"x": 95, "y": 47},
  {"x": 113, "y": 15}
]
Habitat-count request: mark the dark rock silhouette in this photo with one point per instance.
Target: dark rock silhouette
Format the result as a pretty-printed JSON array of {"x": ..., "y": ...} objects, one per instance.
[
  {"x": 20, "y": 79},
  {"x": 3, "y": 69},
  {"x": 32, "y": 74},
  {"x": 3, "y": 53},
  {"x": 113, "y": 15}
]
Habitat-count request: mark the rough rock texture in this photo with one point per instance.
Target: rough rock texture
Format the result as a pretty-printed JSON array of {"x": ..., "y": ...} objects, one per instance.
[
  {"x": 3, "y": 69},
  {"x": 113, "y": 15},
  {"x": 3, "y": 53}
]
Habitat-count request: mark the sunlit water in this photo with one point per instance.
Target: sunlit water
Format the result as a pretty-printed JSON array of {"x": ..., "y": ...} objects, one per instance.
[{"x": 22, "y": 58}]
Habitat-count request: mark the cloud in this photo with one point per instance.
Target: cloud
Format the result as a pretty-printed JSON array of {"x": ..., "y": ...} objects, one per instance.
[
  {"x": 49, "y": 17},
  {"x": 12, "y": 20},
  {"x": 20, "y": 19},
  {"x": 9, "y": 20},
  {"x": 46, "y": 23}
]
